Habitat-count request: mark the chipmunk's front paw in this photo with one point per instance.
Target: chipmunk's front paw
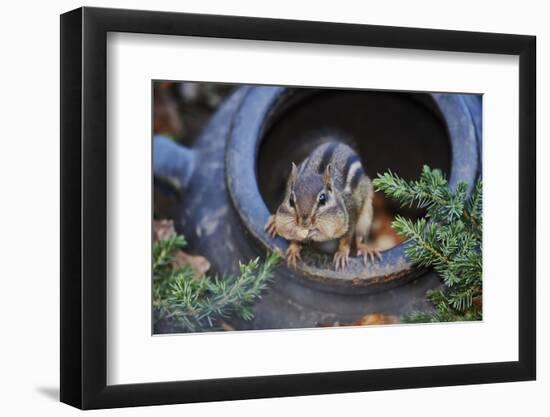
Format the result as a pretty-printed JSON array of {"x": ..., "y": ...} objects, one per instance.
[
  {"x": 270, "y": 227},
  {"x": 368, "y": 252},
  {"x": 341, "y": 257},
  {"x": 293, "y": 254}
]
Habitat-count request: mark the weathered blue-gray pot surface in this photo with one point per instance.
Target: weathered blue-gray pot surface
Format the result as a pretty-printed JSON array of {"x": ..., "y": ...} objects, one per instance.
[{"x": 222, "y": 209}]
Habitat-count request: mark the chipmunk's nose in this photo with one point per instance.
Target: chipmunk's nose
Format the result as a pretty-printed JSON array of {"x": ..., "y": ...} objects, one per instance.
[{"x": 305, "y": 221}]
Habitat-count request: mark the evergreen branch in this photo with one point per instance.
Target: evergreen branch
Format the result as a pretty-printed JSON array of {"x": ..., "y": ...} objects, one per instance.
[
  {"x": 424, "y": 192},
  {"x": 474, "y": 208},
  {"x": 431, "y": 191},
  {"x": 450, "y": 241},
  {"x": 199, "y": 303}
]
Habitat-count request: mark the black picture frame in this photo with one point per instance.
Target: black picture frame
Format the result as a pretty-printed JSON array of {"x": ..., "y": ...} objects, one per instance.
[{"x": 84, "y": 207}]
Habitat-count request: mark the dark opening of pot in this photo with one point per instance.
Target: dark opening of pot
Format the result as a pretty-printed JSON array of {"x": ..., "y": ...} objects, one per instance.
[
  {"x": 275, "y": 126},
  {"x": 395, "y": 131}
]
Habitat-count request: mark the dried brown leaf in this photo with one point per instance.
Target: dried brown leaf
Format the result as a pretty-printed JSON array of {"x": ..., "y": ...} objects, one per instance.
[
  {"x": 376, "y": 319},
  {"x": 163, "y": 229},
  {"x": 199, "y": 264}
]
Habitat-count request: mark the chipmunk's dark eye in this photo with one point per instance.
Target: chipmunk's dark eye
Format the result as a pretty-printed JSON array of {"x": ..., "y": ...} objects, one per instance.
[
  {"x": 291, "y": 202},
  {"x": 322, "y": 199}
]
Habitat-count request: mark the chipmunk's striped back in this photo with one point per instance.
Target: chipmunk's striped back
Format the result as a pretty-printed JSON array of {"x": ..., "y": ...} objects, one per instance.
[{"x": 347, "y": 169}]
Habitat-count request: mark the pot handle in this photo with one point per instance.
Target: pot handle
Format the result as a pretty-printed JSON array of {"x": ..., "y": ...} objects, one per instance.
[{"x": 172, "y": 162}]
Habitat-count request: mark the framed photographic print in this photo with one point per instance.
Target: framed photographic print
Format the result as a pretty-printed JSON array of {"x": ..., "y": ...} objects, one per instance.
[{"x": 322, "y": 207}]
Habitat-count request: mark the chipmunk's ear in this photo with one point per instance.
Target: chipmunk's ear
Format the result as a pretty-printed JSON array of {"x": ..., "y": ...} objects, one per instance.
[
  {"x": 329, "y": 184},
  {"x": 293, "y": 175}
]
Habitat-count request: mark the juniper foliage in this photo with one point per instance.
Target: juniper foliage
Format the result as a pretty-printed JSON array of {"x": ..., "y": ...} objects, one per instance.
[
  {"x": 197, "y": 304},
  {"x": 449, "y": 239}
]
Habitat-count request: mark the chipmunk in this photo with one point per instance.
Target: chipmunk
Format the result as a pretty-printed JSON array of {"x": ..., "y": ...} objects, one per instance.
[{"x": 328, "y": 196}]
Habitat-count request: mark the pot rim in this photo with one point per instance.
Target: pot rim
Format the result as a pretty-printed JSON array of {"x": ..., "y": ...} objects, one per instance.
[{"x": 253, "y": 118}]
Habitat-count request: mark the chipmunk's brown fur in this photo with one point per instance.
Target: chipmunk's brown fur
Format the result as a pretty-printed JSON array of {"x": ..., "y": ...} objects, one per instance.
[{"x": 328, "y": 196}]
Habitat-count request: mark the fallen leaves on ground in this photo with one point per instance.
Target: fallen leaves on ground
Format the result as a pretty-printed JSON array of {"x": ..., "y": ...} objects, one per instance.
[
  {"x": 199, "y": 263},
  {"x": 376, "y": 319},
  {"x": 163, "y": 229},
  {"x": 382, "y": 234},
  {"x": 166, "y": 117}
]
